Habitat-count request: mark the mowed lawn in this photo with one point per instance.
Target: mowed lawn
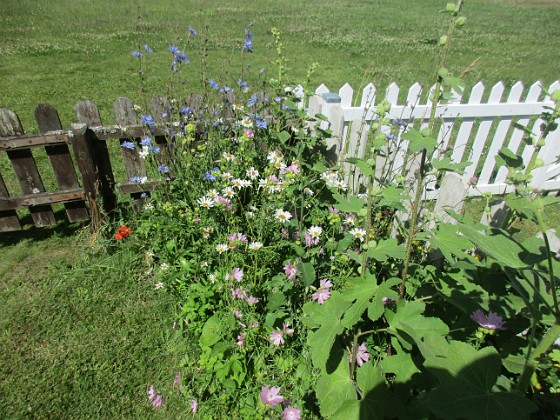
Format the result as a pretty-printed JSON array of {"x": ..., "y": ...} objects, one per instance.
[{"x": 61, "y": 51}]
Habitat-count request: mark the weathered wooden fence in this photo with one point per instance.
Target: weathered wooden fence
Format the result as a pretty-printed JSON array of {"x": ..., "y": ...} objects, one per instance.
[{"x": 475, "y": 130}]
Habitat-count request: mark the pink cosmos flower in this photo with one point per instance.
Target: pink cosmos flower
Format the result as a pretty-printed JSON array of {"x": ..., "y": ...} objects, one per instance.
[
  {"x": 238, "y": 293},
  {"x": 291, "y": 413},
  {"x": 290, "y": 270},
  {"x": 491, "y": 322},
  {"x": 362, "y": 355},
  {"x": 277, "y": 337},
  {"x": 270, "y": 395},
  {"x": 194, "y": 406}
]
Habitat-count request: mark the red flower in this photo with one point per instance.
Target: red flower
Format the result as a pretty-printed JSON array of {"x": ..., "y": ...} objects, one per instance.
[
  {"x": 122, "y": 233},
  {"x": 119, "y": 237}
]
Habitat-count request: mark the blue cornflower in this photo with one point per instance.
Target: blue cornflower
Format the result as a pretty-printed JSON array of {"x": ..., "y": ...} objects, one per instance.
[
  {"x": 127, "y": 145},
  {"x": 173, "y": 49},
  {"x": 163, "y": 169},
  {"x": 226, "y": 89},
  {"x": 137, "y": 54},
  {"x": 248, "y": 45},
  {"x": 146, "y": 141},
  {"x": 192, "y": 31},
  {"x": 154, "y": 149},
  {"x": 185, "y": 110},
  {"x": 136, "y": 179},
  {"x": 148, "y": 49},
  {"x": 242, "y": 84},
  {"x": 147, "y": 120},
  {"x": 260, "y": 122},
  {"x": 252, "y": 101},
  {"x": 278, "y": 99},
  {"x": 390, "y": 137},
  {"x": 181, "y": 57},
  {"x": 209, "y": 177},
  {"x": 248, "y": 33},
  {"x": 213, "y": 83}
]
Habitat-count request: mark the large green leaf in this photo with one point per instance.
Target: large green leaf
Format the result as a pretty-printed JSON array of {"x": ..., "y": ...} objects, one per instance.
[
  {"x": 446, "y": 239},
  {"x": 353, "y": 204},
  {"x": 211, "y": 332},
  {"x": 393, "y": 197},
  {"x": 401, "y": 365},
  {"x": 466, "y": 378},
  {"x": 377, "y": 401},
  {"x": 418, "y": 141},
  {"x": 386, "y": 248},
  {"x": 327, "y": 318},
  {"x": 366, "y": 168},
  {"x": 335, "y": 388},
  {"x": 498, "y": 246},
  {"x": 445, "y": 164},
  {"x": 307, "y": 273}
]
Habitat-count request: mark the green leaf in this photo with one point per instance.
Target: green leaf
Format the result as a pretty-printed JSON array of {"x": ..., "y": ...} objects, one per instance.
[
  {"x": 506, "y": 157},
  {"x": 284, "y": 136},
  {"x": 449, "y": 242},
  {"x": 366, "y": 168},
  {"x": 276, "y": 299},
  {"x": 307, "y": 273},
  {"x": 353, "y": 204},
  {"x": 445, "y": 164},
  {"x": 386, "y": 289},
  {"x": 211, "y": 332},
  {"x": 466, "y": 378},
  {"x": 386, "y": 248},
  {"x": 393, "y": 197},
  {"x": 327, "y": 318},
  {"x": 498, "y": 246},
  {"x": 401, "y": 365},
  {"x": 322, "y": 117},
  {"x": 319, "y": 167},
  {"x": 289, "y": 104},
  {"x": 334, "y": 389},
  {"x": 419, "y": 142}
]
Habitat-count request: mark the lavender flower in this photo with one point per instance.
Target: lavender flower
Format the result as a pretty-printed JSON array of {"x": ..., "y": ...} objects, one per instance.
[
  {"x": 242, "y": 84},
  {"x": 137, "y": 54},
  {"x": 491, "y": 322},
  {"x": 147, "y": 120},
  {"x": 163, "y": 169},
  {"x": 127, "y": 145},
  {"x": 148, "y": 49},
  {"x": 291, "y": 413},
  {"x": 277, "y": 337},
  {"x": 213, "y": 84},
  {"x": 146, "y": 141},
  {"x": 173, "y": 49},
  {"x": 192, "y": 31},
  {"x": 270, "y": 395}
]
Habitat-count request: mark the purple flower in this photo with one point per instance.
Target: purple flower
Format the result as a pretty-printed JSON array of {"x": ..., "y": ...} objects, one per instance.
[
  {"x": 152, "y": 393},
  {"x": 213, "y": 84},
  {"x": 237, "y": 314},
  {"x": 362, "y": 355},
  {"x": 177, "y": 380},
  {"x": 491, "y": 322},
  {"x": 209, "y": 177},
  {"x": 242, "y": 84},
  {"x": 248, "y": 45},
  {"x": 192, "y": 31},
  {"x": 391, "y": 137},
  {"x": 270, "y": 395},
  {"x": 181, "y": 57},
  {"x": 251, "y": 300},
  {"x": 137, "y": 54},
  {"x": 291, "y": 413},
  {"x": 127, "y": 145},
  {"x": 148, "y": 49},
  {"x": 155, "y": 398},
  {"x": 290, "y": 270},
  {"x": 173, "y": 49},
  {"x": 163, "y": 169},
  {"x": 261, "y": 122},
  {"x": 146, "y": 141},
  {"x": 154, "y": 149},
  {"x": 277, "y": 337},
  {"x": 194, "y": 406},
  {"x": 252, "y": 101},
  {"x": 147, "y": 120},
  {"x": 286, "y": 328},
  {"x": 237, "y": 274},
  {"x": 240, "y": 339}
]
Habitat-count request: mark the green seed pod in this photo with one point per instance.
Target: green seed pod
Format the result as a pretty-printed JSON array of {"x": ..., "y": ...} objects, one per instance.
[
  {"x": 461, "y": 20},
  {"x": 375, "y": 126},
  {"x": 443, "y": 72},
  {"x": 442, "y": 40},
  {"x": 426, "y": 132},
  {"x": 555, "y": 95},
  {"x": 539, "y": 163},
  {"x": 371, "y": 162},
  {"x": 450, "y": 7}
]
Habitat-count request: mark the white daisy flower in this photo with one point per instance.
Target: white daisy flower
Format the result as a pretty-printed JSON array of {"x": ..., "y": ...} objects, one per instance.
[
  {"x": 255, "y": 246},
  {"x": 228, "y": 156},
  {"x": 221, "y": 248},
  {"x": 228, "y": 192},
  {"x": 358, "y": 234},
  {"x": 315, "y": 231},
  {"x": 206, "y": 202},
  {"x": 282, "y": 216},
  {"x": 227, "y": 176},
  {"x": 252, "y": 173}
]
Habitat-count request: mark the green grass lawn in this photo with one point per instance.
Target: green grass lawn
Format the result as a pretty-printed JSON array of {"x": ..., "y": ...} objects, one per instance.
[
  {"x": 83, "y": 334},
  {"x": 59, "y": 52}
]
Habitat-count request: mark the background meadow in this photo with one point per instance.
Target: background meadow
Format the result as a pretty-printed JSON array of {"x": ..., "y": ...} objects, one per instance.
[{"x": 86, "y": 334}]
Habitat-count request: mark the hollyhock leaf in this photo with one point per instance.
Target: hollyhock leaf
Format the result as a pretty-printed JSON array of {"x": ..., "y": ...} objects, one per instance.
[
  {"x": 393, "y": 197},
  {"x": 386, "y": 289},
  {"x": 271, "y": 318},
  {"x": 417, "y": 141},
  {"x": 362, "y": 165},
  {"x": 450, "y": 243},
  {"x": 401, "y": 365},
  {"x": 386, "y": 248},
  {"x": 353, "y": 204},
  {"x": 327, "y": 317},
  {"x": 466, "y": 378},
  {"x": 307, "y": 273},
  {"x": 335, "y": 388},
  {"x": 284, "y": 136},
  {"x": 275, "y": 300}
]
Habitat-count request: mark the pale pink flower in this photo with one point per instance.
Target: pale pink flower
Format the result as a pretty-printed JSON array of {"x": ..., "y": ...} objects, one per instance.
[
  {"x": 321, "y": 295},
  {"x": 237, "y": 274},
  {"x": 237, "y": 236},
  {"x": 325, "y": 284},
  {"x": 362, "y": 355},
  {"x": 286, "y": 328},
  {"x": 291, "y": 413},
  {"x": 194, "y": 406},
  {"x": 332, "y": 210},
  {"x": 492, "y": 322},
  {"x": 270, "y": 395},
  {"x": 237, "y": 314},
  {"x": 240, "y": 339},
  {"x": 290, "y": 270},
  {"x": 152, "y": 393},
  {"x": 251, "y": 300},
  {"x": 277, "y": 337},
  {"x": 158, "y": 402}
]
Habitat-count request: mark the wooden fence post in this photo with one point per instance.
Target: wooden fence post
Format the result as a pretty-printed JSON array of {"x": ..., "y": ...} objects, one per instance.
[
  {"x": 88, "y": 113},
  {"x": 25, "y": 169},
  {"x": 61, "y": 161}
]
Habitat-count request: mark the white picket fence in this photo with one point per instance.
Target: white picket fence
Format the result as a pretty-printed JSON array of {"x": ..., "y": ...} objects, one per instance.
[{"x": 474, "y": 128}]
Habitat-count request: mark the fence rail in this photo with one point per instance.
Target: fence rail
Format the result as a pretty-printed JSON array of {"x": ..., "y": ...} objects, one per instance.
[{"x": 474, "y": 128}]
